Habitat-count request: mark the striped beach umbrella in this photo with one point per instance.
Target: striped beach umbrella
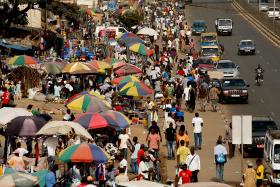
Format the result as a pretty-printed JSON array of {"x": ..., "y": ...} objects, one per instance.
[
  {"x": 85, "y": 153},
  {"x": 23, "y": 60}
]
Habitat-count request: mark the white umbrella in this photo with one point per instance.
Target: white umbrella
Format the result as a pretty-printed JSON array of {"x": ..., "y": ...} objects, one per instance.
[
  {"x": 63, "y": 128},
  {"x": 148, "y": 31},
  {"x": 8, "y": 113}
]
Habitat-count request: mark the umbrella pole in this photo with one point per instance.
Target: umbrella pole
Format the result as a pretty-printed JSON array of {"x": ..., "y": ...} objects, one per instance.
[{"x": 6, "y": 149}]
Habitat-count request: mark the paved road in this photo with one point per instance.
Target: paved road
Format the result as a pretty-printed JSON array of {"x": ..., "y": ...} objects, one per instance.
[{"x": 262, "y": 100}]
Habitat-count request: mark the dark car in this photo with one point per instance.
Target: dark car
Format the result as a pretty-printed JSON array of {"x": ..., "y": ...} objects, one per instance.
[
  {"x": 246, "y": 47},
  {"x": 234, "y": 90},
  {"x": 198, "y": 27},
  {"x": 260, "y": 125},
  {"x": 204, "y": 64}
]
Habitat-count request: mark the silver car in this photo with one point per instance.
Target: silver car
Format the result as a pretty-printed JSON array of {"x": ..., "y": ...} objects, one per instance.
[
  {"x": 263, "y": 7},
  {"x": 229, "y": 68}
]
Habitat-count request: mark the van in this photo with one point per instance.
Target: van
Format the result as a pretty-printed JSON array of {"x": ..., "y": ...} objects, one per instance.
[{"x": 272, "y": 156}]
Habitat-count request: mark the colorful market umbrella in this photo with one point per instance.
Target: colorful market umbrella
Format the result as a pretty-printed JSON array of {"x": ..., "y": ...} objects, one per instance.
[
  {"x": 96, "y": 94},
  {"x": 85, "y": 153},
  {"x": 86, "y": 103},
  {"x": 124, "y": 79},
  {"x": 9, "y": 113},
  {"x": 79, "y": 68},
  {"x": 141, "y": 49},
  {"x": 18, "y": 179},
  {"x": 128, "y": 69},
  {"x": 135, "y": 89},
  {"x": 51, "y": 68},
  {"x": 129, "y": 39},
  {"x": 119, "y": 64},
  {"x": 23, "y": 60},
  {"x": 108, "y": 118},
  {"x": 63, "y": 128},
  {"x": 90, "y": 12},
  {"x": 100, "y": 66},
  {"x": 25, "y": 126}
]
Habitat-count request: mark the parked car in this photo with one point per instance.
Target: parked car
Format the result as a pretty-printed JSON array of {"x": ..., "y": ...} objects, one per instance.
[
  {"x": 246, "y": 47},
  {"x": 204, "y": 64},
  {"x": 273, "y": 12},
  {"x": 263, "y": 7},
  {"x": 260, "y": 125},
  {"x": 229, "y": 68},
  {"x": 234, "y": 90},
  {"x": 198, "y": 27}
]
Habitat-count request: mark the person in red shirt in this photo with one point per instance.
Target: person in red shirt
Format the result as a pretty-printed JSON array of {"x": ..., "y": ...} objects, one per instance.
[
  {"x": 185, "y": 174},
  {"x": 140, "y": 154},
  {"x": 5, "y": 97}
]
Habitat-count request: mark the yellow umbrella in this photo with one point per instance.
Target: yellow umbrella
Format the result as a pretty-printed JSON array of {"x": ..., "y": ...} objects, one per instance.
[
  {"x": 79, "y": 68},
  {"x": 100, "y": 66},
  {"x": 96, "y": 94}
]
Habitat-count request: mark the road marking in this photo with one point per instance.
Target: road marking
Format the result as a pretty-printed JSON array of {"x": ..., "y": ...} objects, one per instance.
[
  {"x": 262, "y": 101},
  {"x": 269, "y": 35}
]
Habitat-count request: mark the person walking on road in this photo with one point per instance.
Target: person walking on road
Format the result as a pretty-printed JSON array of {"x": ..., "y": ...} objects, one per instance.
[
  {"x": 228, "y": 138},
  {"x": 220, "y": 154},
  {"x": 197, "y": 123},
  {"x": 193, "y": 161},
  {"x": 214, "y": 97},
  {"x": 249, "y": 176},
  {"x": 260, "y": 172},
  {"x": 133, "y": 157},
  {"x": 182, "y": 152},
  {"x": 170, "y": 134},
  {"x": 185, "y": 175}
]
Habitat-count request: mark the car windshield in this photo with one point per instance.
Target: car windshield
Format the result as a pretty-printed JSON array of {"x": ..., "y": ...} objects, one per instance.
[
  {"x": 246, "y": 43},
  {"x": 263, "y": 126},
  {"x": 198, "y": 24},
  {"x": 205, "y": 61},
  {"x": 225, "y": 22},
  {"x": 272, "y": 9},
  {"x": 226, "y": 65},
  {"x": 209, "y": 51},
  {"x": 209, "y": 38},
  {"x": 234, "y": 82},
  {"x": 277, "y": 153}
]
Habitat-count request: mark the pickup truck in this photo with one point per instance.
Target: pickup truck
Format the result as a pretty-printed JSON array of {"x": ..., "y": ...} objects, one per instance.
[{"x": 224, "y": 26}]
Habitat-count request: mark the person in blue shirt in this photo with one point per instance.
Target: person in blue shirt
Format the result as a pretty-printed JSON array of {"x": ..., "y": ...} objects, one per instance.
[{"x": 50, "y": 177}]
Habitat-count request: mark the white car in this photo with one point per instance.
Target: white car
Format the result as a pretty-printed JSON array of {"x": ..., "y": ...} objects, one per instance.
[
  {"x": 273, "y": 12},
  {"x": 263, "y": 7},
  {"x": 228, "y": 68}
]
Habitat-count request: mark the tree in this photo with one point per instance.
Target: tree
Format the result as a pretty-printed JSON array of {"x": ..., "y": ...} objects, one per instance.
[
  {"x": 131, "y": 18},
  {"x": 11, "y": 14}
]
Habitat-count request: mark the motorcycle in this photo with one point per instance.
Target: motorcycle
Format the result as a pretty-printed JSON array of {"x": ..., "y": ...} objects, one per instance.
[{"x": 259, "y": 78}]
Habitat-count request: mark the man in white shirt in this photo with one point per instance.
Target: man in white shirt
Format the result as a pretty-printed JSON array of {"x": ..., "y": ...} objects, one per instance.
[
  {"x": 123, "y": 164},
  {"x": 193, "y": 162},
  {"x": 134, "y": 156},
  {"x": 51, "y": 143},
  {"x": 143, "y": 169},
  {"x": 169, "y": 120},
  {"x": 123, "y": 139},
  {"x": 187, "y": 93},
  {"x": 220, "y": 153},
  {"x": 197, "y": 123}
]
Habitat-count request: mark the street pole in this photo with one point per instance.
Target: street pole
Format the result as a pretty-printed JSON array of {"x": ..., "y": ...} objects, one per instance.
[
  {"x": 242, "y": 152},
  {"x": 274, "y": 14},
  {"x": 46, "y": 15}
]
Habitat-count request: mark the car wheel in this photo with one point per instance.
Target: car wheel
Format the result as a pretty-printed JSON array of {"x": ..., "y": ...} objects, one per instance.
[
  {"x": 239, "y": 52},
  {"x": 230, "y": 34},
  {"x": 254, "y": 52},
  {"x": 222, "y": 101},
  {"x": 246, "y": 101}
]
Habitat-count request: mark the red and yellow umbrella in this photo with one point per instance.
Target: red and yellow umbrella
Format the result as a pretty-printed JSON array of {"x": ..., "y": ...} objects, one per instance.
[
  {"x": 128, "y": 69},
  {"x": 141, "y": 49},
  {"x": 108, "y": 118},
  {"x": 23, "y": 60},
  {"x": 100, "y": 66},
  {"x": 85, "y": 153},
  {"x": 79, "y": 68},
  {"x": 125, "y": 79},
  {"x": 135, "y": 89}
]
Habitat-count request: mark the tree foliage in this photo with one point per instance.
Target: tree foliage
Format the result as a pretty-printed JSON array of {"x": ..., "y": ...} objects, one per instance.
[
  {"x": 131, "y": 18},
  {"x": 10, "y": 13}
]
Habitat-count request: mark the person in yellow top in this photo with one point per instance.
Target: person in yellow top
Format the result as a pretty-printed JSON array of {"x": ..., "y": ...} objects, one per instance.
[
  {"x": 182, "y": 153},
  {"x": 249, "y": 176},
  {"x": 260, "y": 172},
  {"x": 182, "y": 136}
]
